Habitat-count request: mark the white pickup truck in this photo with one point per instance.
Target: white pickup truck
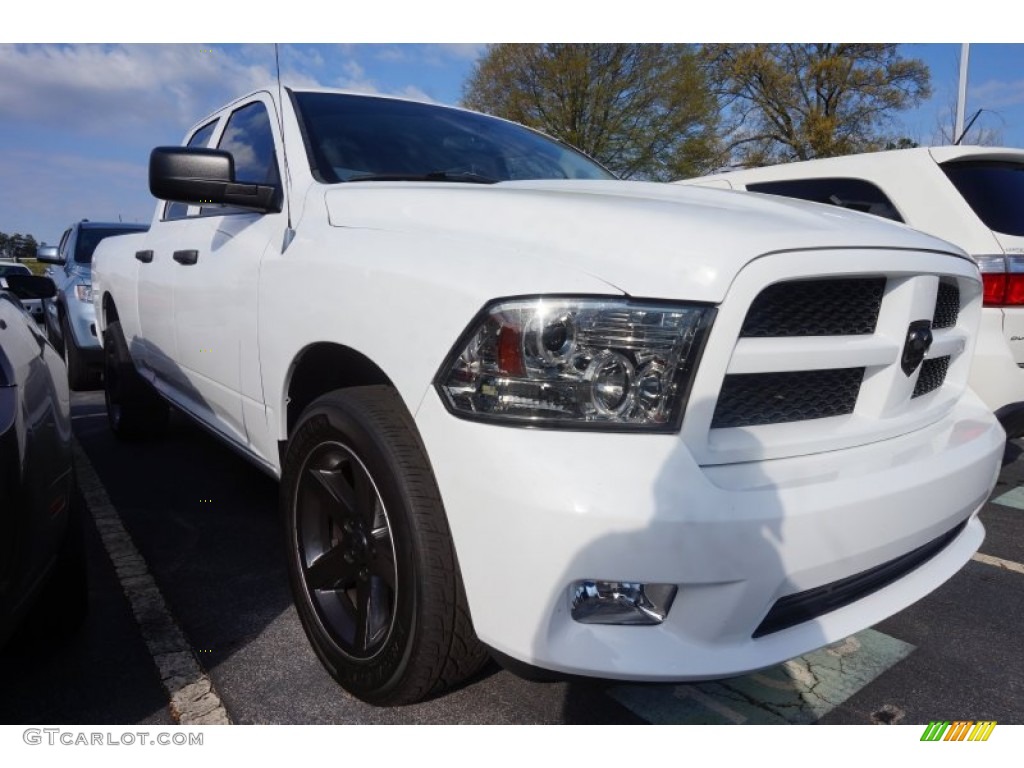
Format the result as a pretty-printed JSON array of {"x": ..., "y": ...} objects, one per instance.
[{"x": 617, "y": 429}]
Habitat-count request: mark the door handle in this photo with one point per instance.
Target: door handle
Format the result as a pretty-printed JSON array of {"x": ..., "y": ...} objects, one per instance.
[
  {"x": 186, "y": 257},
  {"x": 144, "y": 256}
]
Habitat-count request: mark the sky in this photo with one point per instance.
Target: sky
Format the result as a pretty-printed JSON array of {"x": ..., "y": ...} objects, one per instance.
[{"x": 77, "y": 121}]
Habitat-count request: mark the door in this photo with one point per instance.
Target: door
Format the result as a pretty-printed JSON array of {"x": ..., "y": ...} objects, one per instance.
[
  {"x": 215, "y": 275},
  {"x": 156, "y": 349}
]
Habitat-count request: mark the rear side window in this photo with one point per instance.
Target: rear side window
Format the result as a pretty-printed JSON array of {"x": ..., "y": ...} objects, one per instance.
[
  {"x": 855, "y": 194},
  {"x": 199, "y": 139},
  {"x": 994, "y": 190}
]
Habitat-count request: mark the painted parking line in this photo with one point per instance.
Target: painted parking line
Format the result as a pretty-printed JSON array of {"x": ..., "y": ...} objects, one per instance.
[
  {"x": 193, "y": 700},
  {"x": 1013, "y": 498},
  {"x": 801, "y": 690},
  {"x": 998, "y": 562}
]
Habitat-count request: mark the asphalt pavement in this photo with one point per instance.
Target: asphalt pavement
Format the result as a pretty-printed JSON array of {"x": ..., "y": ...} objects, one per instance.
[{"x": 206, "y": 524}]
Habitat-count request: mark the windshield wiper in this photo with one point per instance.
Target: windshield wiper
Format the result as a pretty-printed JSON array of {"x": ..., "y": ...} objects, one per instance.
[{"x": 459, "y": 176}]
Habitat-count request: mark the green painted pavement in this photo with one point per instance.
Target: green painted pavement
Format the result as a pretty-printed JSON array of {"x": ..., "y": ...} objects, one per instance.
[
  {"x": 799, "y": 691},
  {"x": 1014, "y": 498}
]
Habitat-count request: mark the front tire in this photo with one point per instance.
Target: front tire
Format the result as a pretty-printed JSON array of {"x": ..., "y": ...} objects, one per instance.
[
  {"x": 80, "y": 377},
  {"x": 134, "y": 410},
  {"x": 370, "y": 555}
]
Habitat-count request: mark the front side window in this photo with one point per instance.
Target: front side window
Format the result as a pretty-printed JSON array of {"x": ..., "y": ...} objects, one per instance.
[
  {"x": 855, "y": 194},
  {"x": 250, "y": 140},
  {"x": 200, "y": 138},
  {"x": 63, "y": 244},
  {"x": 363, "y": 138},
  {"x": 994, "y": 190}
]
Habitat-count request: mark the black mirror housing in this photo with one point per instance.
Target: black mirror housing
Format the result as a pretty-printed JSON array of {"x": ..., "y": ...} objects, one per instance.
[
  {"x": 199, "y": 176},
  {"x": 30, "y": 286}
]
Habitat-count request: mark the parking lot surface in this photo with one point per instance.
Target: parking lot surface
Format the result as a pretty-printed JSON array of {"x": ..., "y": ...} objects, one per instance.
[{"x": 205, "y": 524}]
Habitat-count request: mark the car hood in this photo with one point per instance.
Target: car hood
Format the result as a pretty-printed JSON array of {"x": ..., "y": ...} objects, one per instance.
[{"x": 643, "y": 238}]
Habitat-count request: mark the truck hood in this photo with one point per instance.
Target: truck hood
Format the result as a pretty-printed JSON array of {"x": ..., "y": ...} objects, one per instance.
[{"x": 643, "y": 238}]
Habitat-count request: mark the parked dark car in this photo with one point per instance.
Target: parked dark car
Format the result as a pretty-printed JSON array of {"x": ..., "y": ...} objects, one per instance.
[
  {"x": 70, "y": 317},
  {"x": 42, "y": 562},
  {"x": 34, "y": 306}
]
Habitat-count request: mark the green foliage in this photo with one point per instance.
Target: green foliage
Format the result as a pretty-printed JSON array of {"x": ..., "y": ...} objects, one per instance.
[
  {"x": 17, "y": 246},
  {"x": 798, "y": 102},
  {"x": 644, "y": 111}
]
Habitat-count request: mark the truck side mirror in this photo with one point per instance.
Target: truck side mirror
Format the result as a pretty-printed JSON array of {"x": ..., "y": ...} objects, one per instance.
[{"x": 201, "y": 176}]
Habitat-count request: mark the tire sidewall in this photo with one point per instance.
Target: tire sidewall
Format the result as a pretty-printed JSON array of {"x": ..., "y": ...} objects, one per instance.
[
  {"x": 371, "y": 679},
  {"x": 113, "y": 378}
]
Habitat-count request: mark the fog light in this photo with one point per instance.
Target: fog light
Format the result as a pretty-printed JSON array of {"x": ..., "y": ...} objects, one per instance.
[{"x": 620, "y": 602}]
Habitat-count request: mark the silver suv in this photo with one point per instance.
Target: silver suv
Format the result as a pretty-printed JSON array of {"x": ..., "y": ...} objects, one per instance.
[{"x": 69, "y": 317}]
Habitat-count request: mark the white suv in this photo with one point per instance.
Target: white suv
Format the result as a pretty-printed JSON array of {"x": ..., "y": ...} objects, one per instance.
[{"x": 971, "y": 196}]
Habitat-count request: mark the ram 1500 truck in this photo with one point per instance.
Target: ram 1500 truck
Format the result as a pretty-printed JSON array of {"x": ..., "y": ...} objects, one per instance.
[{"x": 617, "y": 429}]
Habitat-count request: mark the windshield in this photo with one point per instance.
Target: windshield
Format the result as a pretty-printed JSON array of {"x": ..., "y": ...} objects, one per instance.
[
  {"x": 14, "y": 269},
  {"x": 89, "y": 238},
  {"x": 994, "y": 190},
  {"x": 362, "y": 138}
]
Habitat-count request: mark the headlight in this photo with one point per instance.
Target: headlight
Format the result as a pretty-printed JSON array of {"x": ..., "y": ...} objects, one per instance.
[
  {"x": 83, "y": 292},
  {"x": 610, "y": 364}
]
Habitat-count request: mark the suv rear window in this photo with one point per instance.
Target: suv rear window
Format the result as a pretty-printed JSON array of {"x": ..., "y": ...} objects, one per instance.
[
  {"x": 995, "y": 191},
  {"x": 855, "y": 194}
]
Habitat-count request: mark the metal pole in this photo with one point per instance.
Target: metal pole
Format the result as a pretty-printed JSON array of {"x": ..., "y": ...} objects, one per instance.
[{"x": 961, "y": 101}]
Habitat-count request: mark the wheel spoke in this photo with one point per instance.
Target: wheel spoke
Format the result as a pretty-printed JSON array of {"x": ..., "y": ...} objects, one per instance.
[
  {"x": 333, "y": 484},
  {"x": 382, "y": 564},
  {"x": 364, "y": 614},
  {"x": 365, "y": 497},
  {"x": 331, "y": 570}
]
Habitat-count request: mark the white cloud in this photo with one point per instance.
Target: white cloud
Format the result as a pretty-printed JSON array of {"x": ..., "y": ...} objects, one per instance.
[
  {"x": 96, "y": 88},
  {"x": 414, "y": 93},
  {"x": 468, "y": 51},
  {"x": 391, "y": 53},
  {"x": 993, "y": 94},
  {"x": 353, "y": 78}
]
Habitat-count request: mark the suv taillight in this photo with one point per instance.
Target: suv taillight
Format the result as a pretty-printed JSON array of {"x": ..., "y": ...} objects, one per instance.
[{"x": 1003, "y": 280}]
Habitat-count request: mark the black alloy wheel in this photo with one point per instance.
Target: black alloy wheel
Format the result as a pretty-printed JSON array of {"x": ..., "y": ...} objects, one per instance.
[{"x": 346, "y": 550}]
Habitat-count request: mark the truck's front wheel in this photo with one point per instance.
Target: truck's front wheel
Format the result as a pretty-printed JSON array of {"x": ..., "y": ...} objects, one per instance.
[{"x": 370, "y": 555}]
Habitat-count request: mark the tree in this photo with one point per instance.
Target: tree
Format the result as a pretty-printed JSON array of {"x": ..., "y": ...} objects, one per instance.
[
  {"x": 17, "y": 246},
  {"x": 978, "y": 133},
  {"x": 797, "y": 102},
  {"x": 644, "y": 111}
]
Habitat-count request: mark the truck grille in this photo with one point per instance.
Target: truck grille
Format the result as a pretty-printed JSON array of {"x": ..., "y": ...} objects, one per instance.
[
  {"x": 833, "y": 307},
  {"x": 783, "y": 371},
  {"x": 776, "y": 398},
  {"x": 947, "y": 305},
  {"x": 933, "y": 373}
]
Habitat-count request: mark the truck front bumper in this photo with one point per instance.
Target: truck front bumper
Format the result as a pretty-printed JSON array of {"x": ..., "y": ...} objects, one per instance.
[{"x": 535, "y": 512}]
